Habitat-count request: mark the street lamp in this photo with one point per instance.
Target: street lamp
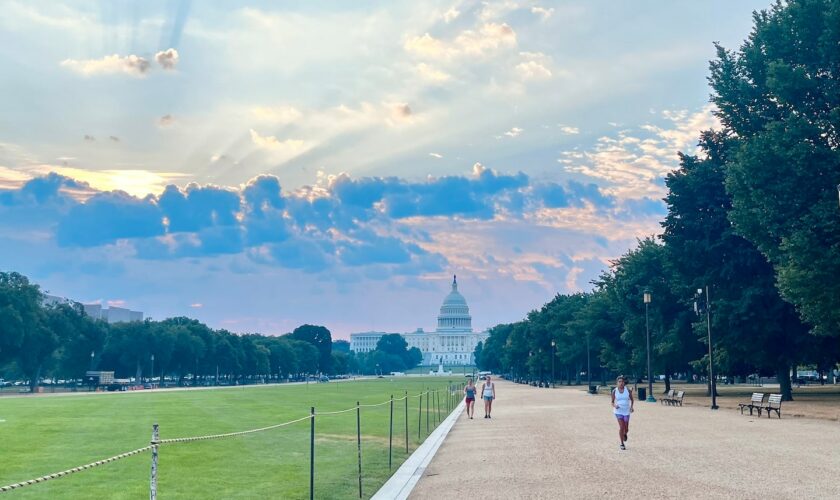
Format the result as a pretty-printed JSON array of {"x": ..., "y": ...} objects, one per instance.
[
  {"x": 699, "y": 309},
  {"x": 647, "y": 299},
  {"x": 588, "y": 366},
  {"x": 838, "y": 193},
  {"x": 152, "y": 372},
  {"x": 553, "y": 378},
  {"x": 92, "y": 354}
]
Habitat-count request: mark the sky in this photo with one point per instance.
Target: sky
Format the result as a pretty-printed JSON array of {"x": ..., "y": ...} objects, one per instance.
[{"x": 261, "y": 165}]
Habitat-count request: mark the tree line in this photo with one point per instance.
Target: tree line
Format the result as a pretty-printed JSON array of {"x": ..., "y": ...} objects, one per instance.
[
  {"x": 40, "y": 340},
  {"x": 754, "y": 216}
]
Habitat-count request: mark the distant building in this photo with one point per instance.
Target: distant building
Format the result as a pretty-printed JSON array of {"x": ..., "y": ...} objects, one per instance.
[
  {"x": 453, "y": 342},
  {"x": 112, "y": 314}
]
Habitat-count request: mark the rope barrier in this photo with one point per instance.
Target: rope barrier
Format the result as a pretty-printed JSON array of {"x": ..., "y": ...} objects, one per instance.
[
  {"x": 67, "y": 472},
  {"x": 322, "y": 413},
  {"x": 231, "y": 434}
]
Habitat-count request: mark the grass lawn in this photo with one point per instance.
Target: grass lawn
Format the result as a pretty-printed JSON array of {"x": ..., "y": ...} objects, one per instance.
[{"x": 42, "y": 435}]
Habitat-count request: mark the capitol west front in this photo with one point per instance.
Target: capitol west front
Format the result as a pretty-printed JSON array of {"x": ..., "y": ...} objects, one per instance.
[{"x": 452, "y": 343}]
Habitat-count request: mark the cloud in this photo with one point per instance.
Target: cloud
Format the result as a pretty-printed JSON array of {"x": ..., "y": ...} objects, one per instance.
[
  {"x": 114, "y": 64},
  {"x": 542, "y": 12},
  {"x": 277, "y": 114},
  {"x": 108, "y": 217},
  {"x": 487, "y": 39},
  {"x": 114, "y": 138},
  {"x": 634, "y": 162},
  {"x": 430, "y": 73},
  {"x": 90, "y": 138},
  {"x": 565, "y": 129},
  {"x": 450, "y": 15},
  {"x": 514, "y": 132},
  {"x": 166, "y": 121},
  {"x": 287, "y": 147},
  {"x": 167, "y": 59},
  {"x": 436, "y": 155},
  {"x": 197, "y": 305},
  {"x": 532, "y": 70}
]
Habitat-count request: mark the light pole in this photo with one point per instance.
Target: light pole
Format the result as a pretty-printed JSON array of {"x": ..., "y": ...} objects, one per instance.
[
  {"x": 92, "y": 354},
  {"x": 588, "y": 366},
  {"x": 650, "y": 398},
  {"x": 838, "y": 193},
  {"x": 699, "y": 308},
  {"x": 553, "y": 350},
  {"x": 152, "y": 372}
]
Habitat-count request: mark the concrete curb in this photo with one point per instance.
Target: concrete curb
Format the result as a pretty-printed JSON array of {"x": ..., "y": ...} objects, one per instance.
[{"x": 400, "y": 485}]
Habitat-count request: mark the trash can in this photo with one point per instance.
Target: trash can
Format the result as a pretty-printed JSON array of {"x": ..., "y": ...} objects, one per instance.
[
  {"x": 593, "y": 389},
  {"x": 642, "y": 394}
]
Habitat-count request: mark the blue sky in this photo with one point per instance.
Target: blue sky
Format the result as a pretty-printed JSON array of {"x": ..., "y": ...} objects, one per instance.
[{"x": 262, "y": 165}]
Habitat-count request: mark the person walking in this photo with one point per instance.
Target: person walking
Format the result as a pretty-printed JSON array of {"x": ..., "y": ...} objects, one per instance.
[
  {"x": 469, "y": 391},
  {"x": 622, "y": 403},
  {"x": 488, "y": 393}
]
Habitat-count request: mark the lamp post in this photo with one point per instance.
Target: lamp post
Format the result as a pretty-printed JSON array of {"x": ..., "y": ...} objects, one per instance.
[
  {"x": 838, "y": 193},
  {"x": 152, "y": 372},
  {"x": 588, "y": 366},
  {"x": 377, "y": 369},
  {"x": 553, "y": 351},
  {"x": 700, "y": 308},
  {"x": 92, "y": 354},
  {"x": 647, "y": 299},
  {"x": 539, "y": 360}
]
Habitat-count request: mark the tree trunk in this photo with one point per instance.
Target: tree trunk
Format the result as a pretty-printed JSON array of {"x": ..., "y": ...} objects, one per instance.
[
  {"x": 139, "y": 371},
  {"x": 603, "y": 376},
  {"x": 667, "y": 383},
  {"x": 33, "y": 382},
  {"x": 577, "y": 374},
  {"x": 783, "y": 375}
]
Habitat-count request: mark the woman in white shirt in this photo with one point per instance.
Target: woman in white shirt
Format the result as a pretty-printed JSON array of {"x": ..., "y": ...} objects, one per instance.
[
  {"x": 488, "y": 394},
  {"x": 622, "y": 403}
]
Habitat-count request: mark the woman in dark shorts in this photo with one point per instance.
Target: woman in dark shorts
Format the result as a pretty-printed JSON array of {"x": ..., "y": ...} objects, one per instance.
[{"x": 469, "y": 391}]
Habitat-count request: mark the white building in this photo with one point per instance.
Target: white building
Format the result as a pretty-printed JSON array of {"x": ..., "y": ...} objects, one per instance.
[
  {"x": 112, "y": 314},
  {"x": 452, "y": 343}
]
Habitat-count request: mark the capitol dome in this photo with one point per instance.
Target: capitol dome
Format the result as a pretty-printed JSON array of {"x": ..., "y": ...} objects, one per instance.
[{"x": 454, "y": 313}]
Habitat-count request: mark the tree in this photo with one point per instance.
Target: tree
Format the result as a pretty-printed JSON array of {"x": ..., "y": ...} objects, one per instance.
[
  {"x": 319, "y": 337},
  {"x": 754, "y": 328},
  {"x": 341, "y": 346},
  {"x": 20, "y": 312},
  {"x": 477, "y": 352},
  {"x": 777, "y": 98}
]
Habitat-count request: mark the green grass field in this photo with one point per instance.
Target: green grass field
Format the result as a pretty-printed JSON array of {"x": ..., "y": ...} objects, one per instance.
[{"x": 42, "y": 435}]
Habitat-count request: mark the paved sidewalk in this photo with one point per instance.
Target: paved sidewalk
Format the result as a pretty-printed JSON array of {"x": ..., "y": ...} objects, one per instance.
[{"x": 563, "y": 443}]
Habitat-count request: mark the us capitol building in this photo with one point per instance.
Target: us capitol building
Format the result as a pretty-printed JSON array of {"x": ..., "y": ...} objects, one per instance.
[{"x": 452, "y": 343}]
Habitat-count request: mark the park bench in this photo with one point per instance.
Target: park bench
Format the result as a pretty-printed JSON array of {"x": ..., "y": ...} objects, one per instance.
[
  {"x": 756, "y": 402},
  {"x": 667, "y": 398},
  {"x": 774, "y": 403},
  {"x": 677, "y": 399}
]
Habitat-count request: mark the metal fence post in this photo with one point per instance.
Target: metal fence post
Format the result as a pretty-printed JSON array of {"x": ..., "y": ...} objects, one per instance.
[
  {"x": 406, "y": 422},
  {"x": 428, "y": 396},
  {"x": 312, "y": 453},
  {"x": 359, "y": 442},
  {"x": 419, "y": 416},
  {"x": 154, "y": 474},
  {"x": 391, "y": 433}
]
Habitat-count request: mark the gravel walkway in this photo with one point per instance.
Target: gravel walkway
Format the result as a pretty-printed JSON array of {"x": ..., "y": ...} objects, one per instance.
[{"x": 563, "y": 443}]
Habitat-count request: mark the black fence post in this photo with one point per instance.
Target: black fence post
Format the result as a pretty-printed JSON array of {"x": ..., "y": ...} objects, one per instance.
[
  {"x": 406, "y": 422},
  {"x": 419, "y": 416},
  {"x": 428, "y": 396},
  {"x": 359, "y": 442},
  {"x": 153, "y": 480},
  {"x": 391, "y": 434},
  {"x": 312, "y": 453}
]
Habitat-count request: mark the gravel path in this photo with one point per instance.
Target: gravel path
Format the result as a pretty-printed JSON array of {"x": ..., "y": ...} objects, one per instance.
[{"x": 563, "y": 443}]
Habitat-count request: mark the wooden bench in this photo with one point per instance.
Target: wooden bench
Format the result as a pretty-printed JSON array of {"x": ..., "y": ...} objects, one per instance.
[
  {"x": 756, "y": 403},
  {"x": 677, "y": 399},
  {"x": 774, "y": 403},
  {"x": 668, "y": 398}
]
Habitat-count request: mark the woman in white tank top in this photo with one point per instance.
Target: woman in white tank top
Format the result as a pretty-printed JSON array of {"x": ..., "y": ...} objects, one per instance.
[
  {"x": 488, "y": 394},
  {"x": 622, "y": 402}
]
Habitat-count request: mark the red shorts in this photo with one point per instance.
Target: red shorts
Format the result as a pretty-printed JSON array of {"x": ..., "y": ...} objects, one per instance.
[{"x": 470, "y": 400}]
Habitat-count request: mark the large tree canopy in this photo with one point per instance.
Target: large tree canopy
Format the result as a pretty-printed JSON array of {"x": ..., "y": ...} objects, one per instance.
[{"x": 778, "y": 98}]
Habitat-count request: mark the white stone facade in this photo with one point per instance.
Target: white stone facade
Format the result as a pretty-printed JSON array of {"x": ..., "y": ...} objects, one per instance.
[{"x": 452, "y": 343}]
